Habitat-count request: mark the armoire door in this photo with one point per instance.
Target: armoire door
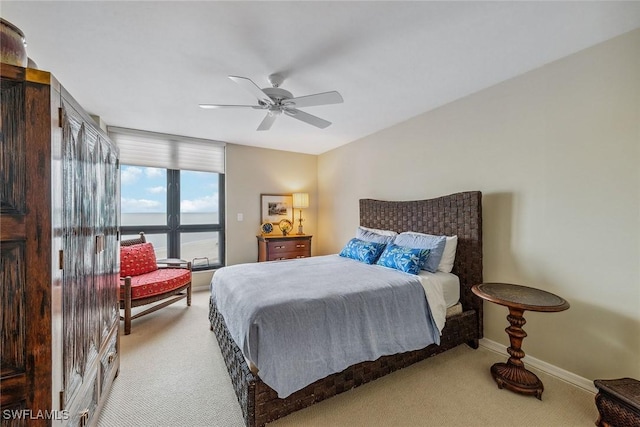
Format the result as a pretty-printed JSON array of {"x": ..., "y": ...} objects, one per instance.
[
  {"x": 25, "y": 246},
  {"x": 90, "y": 314}
]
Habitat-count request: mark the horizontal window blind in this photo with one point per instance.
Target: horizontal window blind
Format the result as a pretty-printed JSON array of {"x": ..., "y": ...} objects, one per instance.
[{"x": 161, "y": 150}]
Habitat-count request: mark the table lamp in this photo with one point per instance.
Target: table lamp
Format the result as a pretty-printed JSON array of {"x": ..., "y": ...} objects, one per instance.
[{"x": 300, "y": 201}]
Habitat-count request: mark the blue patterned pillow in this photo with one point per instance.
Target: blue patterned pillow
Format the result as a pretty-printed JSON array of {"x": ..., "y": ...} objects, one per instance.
[
  {"x": 409, "y": 260},
  {"x": 362, "y": 251}
]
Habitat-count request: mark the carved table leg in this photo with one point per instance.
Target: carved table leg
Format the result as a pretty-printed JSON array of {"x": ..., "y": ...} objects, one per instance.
[{"x": 513, "y": 375}]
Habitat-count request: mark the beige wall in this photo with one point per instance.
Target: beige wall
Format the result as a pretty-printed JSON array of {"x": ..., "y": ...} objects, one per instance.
[
  {"x": 253, "y": 171},
  {"x": 556, "y": 153}
]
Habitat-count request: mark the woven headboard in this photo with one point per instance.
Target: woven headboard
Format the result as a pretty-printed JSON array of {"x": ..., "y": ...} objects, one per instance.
[{"x": 456, "y": 214}]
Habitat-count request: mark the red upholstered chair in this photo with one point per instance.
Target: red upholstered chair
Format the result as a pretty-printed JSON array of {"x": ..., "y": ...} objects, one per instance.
[{"x": 147, "y": 281}]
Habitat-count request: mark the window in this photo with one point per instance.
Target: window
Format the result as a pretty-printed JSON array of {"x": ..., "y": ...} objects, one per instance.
[{"x": 180, "y": 210}]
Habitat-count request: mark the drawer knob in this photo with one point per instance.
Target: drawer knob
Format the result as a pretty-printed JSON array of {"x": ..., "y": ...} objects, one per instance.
[
  {"x": 111, "y": 358},
  {"x": 278, "y": 247},
  {"x": 300, "y": 246}
]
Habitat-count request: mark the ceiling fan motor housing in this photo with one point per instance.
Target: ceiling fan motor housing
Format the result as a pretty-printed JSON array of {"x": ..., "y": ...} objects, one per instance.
[{"x": 277, "y": 94}]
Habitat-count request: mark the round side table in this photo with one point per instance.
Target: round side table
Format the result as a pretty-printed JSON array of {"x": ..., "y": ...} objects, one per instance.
[{"x": 512, "y": 375}]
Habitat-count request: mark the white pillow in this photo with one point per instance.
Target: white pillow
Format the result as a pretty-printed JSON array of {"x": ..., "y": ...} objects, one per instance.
[
  {"x": 449, "y": 254},
  {"x": 369, "y": 236},
  {"x": 435, "y": 244},
  {"x": 378, "y": 231}
]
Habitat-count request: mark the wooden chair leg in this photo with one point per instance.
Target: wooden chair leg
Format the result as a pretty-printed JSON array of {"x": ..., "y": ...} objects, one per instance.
[
  {"x": 127, "y": 305},
  {"x": 190, "y": 284}
]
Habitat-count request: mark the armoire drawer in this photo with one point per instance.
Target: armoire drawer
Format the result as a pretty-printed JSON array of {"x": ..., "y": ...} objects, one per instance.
[
  {"x": 82, "y": 414},
  {"x": 109, "y": 360}
]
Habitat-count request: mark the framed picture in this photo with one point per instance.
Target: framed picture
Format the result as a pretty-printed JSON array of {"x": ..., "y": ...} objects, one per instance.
[{"x": 276, "y": 207}]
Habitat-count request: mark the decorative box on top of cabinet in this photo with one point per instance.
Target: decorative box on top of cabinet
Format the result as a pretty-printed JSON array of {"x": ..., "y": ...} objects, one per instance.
[
  {"x": 275, "y": 248},
  {"x": 59, "y": 204}
]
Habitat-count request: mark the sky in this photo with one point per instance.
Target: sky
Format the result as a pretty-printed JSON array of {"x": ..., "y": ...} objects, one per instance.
[{"x": 144, "y": 189}]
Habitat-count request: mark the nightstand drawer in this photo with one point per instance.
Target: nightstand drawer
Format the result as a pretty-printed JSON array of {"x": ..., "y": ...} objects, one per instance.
[
  {"x": 297, "y": 245},
  {"x": 277, "y": 255},
  {"x": 273, "y": 248}
]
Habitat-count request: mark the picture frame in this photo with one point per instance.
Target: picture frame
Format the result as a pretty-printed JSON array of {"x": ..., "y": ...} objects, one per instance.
[{"x": 276, "y": 207}]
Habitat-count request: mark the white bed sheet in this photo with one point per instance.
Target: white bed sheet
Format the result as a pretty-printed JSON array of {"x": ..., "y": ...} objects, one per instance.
[{"x": 442, "y": 291}]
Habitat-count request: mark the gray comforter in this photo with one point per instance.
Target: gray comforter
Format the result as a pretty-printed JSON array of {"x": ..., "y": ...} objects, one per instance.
[{"x": 300, "y": 320}]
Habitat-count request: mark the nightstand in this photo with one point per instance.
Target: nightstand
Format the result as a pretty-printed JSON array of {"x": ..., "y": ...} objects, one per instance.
[
  {"x": 274, "y": 248},
  {"x": 618, "y": 402}
]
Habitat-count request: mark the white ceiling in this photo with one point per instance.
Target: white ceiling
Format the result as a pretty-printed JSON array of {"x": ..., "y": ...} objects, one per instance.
[{"x": 147, "y": 65}]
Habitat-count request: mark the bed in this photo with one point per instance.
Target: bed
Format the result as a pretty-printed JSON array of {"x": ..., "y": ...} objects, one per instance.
[{"x": 456, "y": 214}]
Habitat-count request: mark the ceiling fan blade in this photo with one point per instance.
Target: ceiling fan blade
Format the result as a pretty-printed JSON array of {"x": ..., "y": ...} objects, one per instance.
[
  {"x": 268, "y": 121},
  {"x": 250, "y": 86},
  {"x": 209, "y": 106},
  {"x": 324, "y": 98},
  {"x": 307, "y": 118}
]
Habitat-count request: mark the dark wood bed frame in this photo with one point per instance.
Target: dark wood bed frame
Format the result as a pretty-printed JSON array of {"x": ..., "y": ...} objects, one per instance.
[{"x": 456, "y": 214}]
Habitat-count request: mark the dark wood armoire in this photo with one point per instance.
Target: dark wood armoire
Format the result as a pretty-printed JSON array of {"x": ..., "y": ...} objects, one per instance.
[{"x": 59, "y": 207}]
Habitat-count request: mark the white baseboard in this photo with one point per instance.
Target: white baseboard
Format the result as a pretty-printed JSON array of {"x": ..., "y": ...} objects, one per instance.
[{"x": 545, "y": 367}]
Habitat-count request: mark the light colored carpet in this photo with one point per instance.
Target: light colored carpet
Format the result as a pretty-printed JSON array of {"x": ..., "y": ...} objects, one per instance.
[{"x": 172, "y": 374}]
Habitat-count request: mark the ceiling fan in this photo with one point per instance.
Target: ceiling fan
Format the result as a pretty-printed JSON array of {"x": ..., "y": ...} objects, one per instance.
[{"x": 277, "y": 101}]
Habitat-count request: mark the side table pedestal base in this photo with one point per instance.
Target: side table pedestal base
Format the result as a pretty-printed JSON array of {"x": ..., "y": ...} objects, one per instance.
[{"x": 517, "y": 379}]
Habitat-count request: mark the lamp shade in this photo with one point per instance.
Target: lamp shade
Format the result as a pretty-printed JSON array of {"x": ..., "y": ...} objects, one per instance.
[{"x": 300, "y": 200}]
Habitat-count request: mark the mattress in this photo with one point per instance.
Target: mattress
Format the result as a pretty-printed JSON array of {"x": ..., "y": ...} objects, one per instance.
[
  {"x": 449, "y": 282},
  {"x": 442, "y": 291}
]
